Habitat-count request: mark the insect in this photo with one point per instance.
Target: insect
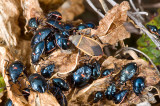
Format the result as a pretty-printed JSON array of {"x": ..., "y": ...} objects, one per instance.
[
  {"x": 110, "y": 92},
  {"x": 54, "y": 15},
  {"x": 40, "y": 35},
  {"x": 60, "y": 83},
  {"x": 107, "y": 72},
  {"x": 87, "y": 45},
  {"x": 96, "y": 70},
  {"x": 98, "y": 96},
  {"x": 33, "y": 23},
  {"x": 62, "y": 41},
  {"x": 81, "y": 26},
  {"x": 90, "y": 25},
  {"x": 47, "y": 71},
  {"x": 128, "y": 72},
  {"x": 37, "y": 82},
  {"x": 15, "y": 69},
  {"x": 26, "y": 93},
  {"x": 65, "y": 33},
  {"x": 138, "y": 85},
  {"x": 153, "y": 29},
  {"x": 50, "y": 44},
  {"x": 68, "y": 27},
  {"x": 55, "y": 24},
  {"x": 37, "y": 51},
  {"x": 59, "y": 96},
  {"x": 120, "y": 96},
  {"x": 9, "y": 103},
  {"x": 82, "y": 76},
  {"x": 158, "y": 32}
]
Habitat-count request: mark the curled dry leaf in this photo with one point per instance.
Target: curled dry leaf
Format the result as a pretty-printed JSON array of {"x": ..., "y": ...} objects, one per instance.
[
  {"x": 64, "y": 61},
  {"x": 111, "y": 28},
  {"x": 9, "y": 30},
  {"x": 42, "y": 99},
  {"x": 70, "y": 9},
  {"x": 12, "y": 89}
]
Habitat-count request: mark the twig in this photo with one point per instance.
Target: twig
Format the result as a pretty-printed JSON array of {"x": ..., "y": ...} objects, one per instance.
[
  {"x": 142, "y": 27},
  {"x": 155, "y": 41},
  {"x": 142, "y": 13},
  {"x": 94, "y": 8},
  {"x": 112, "y": 2},
  {"x": 104, "y": 5},
  {"x": 140, "y": 5},
  {"x": 135, "y": 9},
  {"x": 156, "y": 5},
  {"x": 131, "y": 48}
]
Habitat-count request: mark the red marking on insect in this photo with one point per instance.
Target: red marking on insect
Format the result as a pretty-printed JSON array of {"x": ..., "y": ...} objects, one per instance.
[
  {"x": 35, "y": 77},
  {"x": 60, "y": 23},
  {"x": 123, "y": 99},
  {"x": 127, "y": 72},
  {"x": 15, "y": 68},
  {"x": 34, "y": 53},
  {"x": 108, "y": 75},
  {"x": 68, "y": 43},
  {"x": 25, "y": 91},
  {"x": 82, "y": 75},
  {"x": 39, "y": 33}
]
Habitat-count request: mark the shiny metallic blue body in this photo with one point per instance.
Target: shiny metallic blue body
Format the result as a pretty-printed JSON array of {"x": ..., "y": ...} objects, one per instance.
[
  {"x": 40, "y": 35},
  {"x": 96, "y": 70},
  {"x": 82, "y": 76},
  {"x": 90, "y": 25},
  {"x": 81, "y": 26},
  {"x": 9, "y": 103},
  {"x": 138, "y": 85},
  {"x": 62, "y": 41},
  {"x": 37, "y": 51},
  {"x": 110, "y": 92},
  {"x": 128, "y": 72},
  {"x": 47, "y": 71},
  {"x": 37, "y": 82},
  {"x": 56, "y": 24},
  {"x": 15, "y": 69},
  {"x": 98, "y": 96},
  {"x": 33, "y": 23},
  {"x": 60, "y": 83},
  {"x": 107, "y": 72},
  {"x": 120, "y": 96}
]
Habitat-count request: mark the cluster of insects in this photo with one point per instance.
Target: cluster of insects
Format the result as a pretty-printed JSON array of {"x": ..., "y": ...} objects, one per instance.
[
  {"x": 85, "y": 73},
  {"x": 51, "y": 34}
]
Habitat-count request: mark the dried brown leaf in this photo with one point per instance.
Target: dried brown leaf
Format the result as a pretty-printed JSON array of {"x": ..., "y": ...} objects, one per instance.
[
  {"x": 116, "y": 35},
  {"x": 31, "y": 8},
  {"x": 42, "y": 99},
  {"x": 65, "y": 61},
  {"x": 70, "y": 9},
  {"x": 111, "y": 29},
  {"x": 9, "y": 30}
]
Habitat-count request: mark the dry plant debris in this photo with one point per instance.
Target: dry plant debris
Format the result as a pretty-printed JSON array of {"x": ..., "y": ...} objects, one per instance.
[{"x": 110, "y": 30}]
